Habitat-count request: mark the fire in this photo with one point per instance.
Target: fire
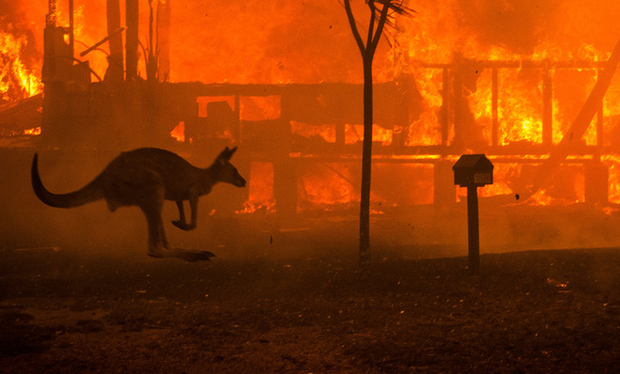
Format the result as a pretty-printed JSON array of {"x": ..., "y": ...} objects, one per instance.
[
  {"x": 613, "y": 162},
  {"x": 33, "y": 131},
  {"x": 355, "y": 133},
  {"x": 517, "y": 60},
  {"x": 328, "y": 185},
  {"x": 178, "y": 133},
  {"x": 261, "y": 197},
  {"x": 16, "y": 80}
]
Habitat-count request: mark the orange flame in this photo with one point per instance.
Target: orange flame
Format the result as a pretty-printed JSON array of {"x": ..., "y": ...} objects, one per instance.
[
  {"x": 423, "y": 47},
  {"x": 16, "y": 81}
]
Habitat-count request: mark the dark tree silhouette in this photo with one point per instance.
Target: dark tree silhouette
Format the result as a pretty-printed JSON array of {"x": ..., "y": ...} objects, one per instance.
[{"x": 381, "y": 13}]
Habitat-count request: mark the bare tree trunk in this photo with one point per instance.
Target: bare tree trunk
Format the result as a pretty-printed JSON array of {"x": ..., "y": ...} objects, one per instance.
[
  {"x": 366, "y": 163},
  {"x": 368, "y": 52}
]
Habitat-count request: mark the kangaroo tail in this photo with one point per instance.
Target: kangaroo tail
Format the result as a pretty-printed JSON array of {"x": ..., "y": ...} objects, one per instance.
[{"x": 82, "y": 196}]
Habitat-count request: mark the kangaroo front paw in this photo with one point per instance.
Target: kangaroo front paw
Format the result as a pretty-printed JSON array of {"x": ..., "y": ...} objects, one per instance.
[
  {"x": 193, "y": 256},
  {"x": 183, "y": 225}
]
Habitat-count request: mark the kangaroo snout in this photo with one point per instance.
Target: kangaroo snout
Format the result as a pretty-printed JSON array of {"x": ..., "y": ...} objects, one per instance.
[{"x": 239, "y": 182}]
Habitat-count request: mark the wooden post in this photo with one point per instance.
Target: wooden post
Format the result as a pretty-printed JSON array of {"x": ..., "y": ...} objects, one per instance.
[
  {"x": 132, "y": 20},
  {"x": 494, "y": 107},
  {"x": 600, "y": 127},
  {"x": 163, "y": 38},
  {"x": 547, "y": 120},
  {"x": 473, "y": 229},
  {"x": 445, "y": 110},
  {"x": 71, "y": 28},
  {"x": 115, "y": 69}
]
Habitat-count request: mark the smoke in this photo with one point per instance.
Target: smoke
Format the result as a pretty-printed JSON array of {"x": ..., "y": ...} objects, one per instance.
[
  {"x": 521, "y": 25},
  {"x": 518, "y": 25},
  {"x": 310, "y": 41},
  {"x": 27, "y": 223}
]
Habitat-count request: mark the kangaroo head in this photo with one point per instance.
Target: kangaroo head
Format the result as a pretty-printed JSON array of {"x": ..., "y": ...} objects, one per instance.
[{"x": 225, "y": 171}]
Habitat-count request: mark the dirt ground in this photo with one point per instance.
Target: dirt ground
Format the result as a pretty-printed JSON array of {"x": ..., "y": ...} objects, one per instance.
[{"x": 526, "y": 312}]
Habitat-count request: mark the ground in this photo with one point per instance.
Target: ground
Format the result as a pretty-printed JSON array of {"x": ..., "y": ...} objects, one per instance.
[{"x": 536, "y": 312}]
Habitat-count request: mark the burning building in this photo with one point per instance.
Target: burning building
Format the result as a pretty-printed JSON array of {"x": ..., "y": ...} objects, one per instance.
[{"x": 283, "y": 81}]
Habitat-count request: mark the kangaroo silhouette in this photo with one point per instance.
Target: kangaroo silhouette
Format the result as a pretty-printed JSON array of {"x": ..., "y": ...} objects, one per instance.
[{"x": 146, "y": 177}]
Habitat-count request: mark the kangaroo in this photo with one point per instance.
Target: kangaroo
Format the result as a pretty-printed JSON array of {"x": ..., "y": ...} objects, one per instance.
[{"x": 146, "y": 177}]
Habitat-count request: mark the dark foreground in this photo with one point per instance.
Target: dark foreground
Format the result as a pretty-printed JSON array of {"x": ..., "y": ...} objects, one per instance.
[{"x": 529, "y": 312}]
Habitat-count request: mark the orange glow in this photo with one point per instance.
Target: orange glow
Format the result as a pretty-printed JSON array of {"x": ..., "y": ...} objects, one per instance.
[
  {"x": 34, "y": 131},
  {"x": 178, "y": 133},
  {"x": 325, "y": 132},
  {"x": 258, "y": 42},
  {"x": 256, "y": 108},
  {"x": 16, "y": 81},
  {"x": 261, "y": 198},
  {"x": 355, "y": 133},
  {"x": 613, "y": 162},
  {"x": 329, "y": 184}
]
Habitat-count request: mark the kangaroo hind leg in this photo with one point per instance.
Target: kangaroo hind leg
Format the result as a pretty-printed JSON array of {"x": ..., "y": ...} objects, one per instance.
[
  {"x": 193, "y": 204},
  {"x": 152, "y": 205},
  {"x": 158, "y": 246}
]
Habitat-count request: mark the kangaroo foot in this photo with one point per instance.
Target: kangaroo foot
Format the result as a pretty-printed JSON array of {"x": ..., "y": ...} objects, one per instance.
[
  {"x": 156, "y": 254},
  {"x": 183, "y": 225},
  {"x": 191, "y": 256}
]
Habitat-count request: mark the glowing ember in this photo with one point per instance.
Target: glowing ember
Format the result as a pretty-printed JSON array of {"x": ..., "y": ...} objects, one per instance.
[
  {"x": 260, "y": 197},
  {"x": 178, "y": 133},
  {"x": 33, "y": 131}
]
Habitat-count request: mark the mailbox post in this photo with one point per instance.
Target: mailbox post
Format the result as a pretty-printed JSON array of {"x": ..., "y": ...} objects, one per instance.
[{"x": 473, "y": 171}]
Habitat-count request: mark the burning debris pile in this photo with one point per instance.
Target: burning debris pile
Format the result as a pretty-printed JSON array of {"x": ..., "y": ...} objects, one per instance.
[
  {"x": 506, "y": 79},
  {"x": 20, "y": 83}
]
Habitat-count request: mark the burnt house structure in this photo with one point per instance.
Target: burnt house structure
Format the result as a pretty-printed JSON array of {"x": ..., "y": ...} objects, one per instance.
[{"x": 289, "y": 126}]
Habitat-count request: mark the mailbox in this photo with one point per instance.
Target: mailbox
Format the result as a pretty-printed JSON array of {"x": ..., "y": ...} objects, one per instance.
[{"x": 473, "y": 170}]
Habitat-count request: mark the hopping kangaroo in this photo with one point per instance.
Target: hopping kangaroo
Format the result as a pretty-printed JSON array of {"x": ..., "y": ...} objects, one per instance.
[{"x": 146, "y": 177}]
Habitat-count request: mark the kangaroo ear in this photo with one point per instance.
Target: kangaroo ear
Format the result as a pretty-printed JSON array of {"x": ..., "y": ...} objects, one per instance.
[{"x": 226, "y": 154}]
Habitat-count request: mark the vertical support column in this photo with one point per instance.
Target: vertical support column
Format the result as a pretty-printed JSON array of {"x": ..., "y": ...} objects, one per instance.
[
  {"x": 285, "y": 169},
  {"x": 596, "y": 182},
  {"x": 115, "y": 70},
  {"x": 285, "y": 187},
  {"x": 340, "y": 134},
  {"x": 494, "y": 108},
  {"x": 473, "y": 229},
  {"x": 50, "y": 18},
  {"x": 445, "y": 109},
  {"x": 600, "y": 122},
  {"x": 444, "y": 193},
  {"x": 163, "y": 38},
  {"x": 237, "y": 128},
  {"x": 71, "y": 29},
  {"x": 405, "y": 90},
  {"x": 547, "y": 92},
  {"x": 132, "y": 20}
]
